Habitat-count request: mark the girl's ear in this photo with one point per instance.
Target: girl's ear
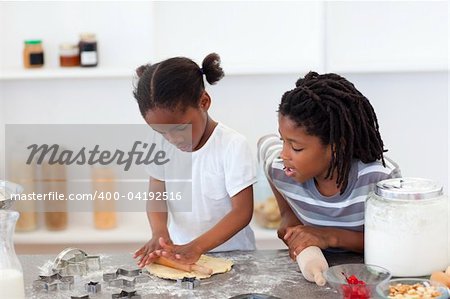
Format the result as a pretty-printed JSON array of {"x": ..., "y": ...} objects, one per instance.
[{"x": 205, "y": 101}]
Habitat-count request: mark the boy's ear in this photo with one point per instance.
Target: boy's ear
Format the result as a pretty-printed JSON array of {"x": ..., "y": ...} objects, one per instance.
[{"x": 205, "y": 101}]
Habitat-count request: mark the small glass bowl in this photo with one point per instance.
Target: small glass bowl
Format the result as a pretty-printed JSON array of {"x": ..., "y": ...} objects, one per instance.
[
  {"x": 383, "y": 288},
  {"x": 371, "y": 275}
]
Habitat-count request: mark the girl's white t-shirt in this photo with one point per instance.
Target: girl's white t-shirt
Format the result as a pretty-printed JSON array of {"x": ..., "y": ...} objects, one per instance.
[{"x": 223, "y": 167}]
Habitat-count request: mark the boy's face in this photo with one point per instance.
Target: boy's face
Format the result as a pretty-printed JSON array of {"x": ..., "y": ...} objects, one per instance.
[
  {"x": 304, "y": 156},
  {"x": 184, "y": 129}
]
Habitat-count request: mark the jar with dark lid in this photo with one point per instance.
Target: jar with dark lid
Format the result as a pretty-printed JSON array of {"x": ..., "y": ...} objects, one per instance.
[
  {"x": 69, "y": 55},
  {"x": 88, "y": 50},
  {"x": 406, "y": 227},
  {"x": 33, "y": 54}
]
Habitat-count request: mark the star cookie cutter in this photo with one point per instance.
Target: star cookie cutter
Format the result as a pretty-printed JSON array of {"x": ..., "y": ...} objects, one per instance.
[
  {"x": 74, "y": 261},
  {"x": 126, "y": 294},
  {"x": 124, "y": 278},
  {"x": 188, "y": 283},
  {"x": 54, "y": 282},
  {"x": 93, "y": 287}
]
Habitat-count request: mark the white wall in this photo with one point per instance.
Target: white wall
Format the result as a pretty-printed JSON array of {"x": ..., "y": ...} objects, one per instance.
[
  {"x": 387, "y": 35},
  {"x": 412, "y": 109},
  {"x": 253, "y": 36}
]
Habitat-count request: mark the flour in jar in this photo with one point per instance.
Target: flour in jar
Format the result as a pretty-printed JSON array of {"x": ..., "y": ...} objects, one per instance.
[{"x": 409, "y": 238}]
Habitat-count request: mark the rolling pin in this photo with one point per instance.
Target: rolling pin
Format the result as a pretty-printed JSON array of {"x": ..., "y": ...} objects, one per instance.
[
  {"x": 312, "y": 263},
  {"x": 184, "y": 267}
]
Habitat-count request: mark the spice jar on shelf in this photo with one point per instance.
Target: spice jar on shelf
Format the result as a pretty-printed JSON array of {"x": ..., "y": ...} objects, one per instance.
[
  {"x": 88, "y": 50},
  {"x": 54, "y": 178},
  {"x": 69, "y": 55},
  {"x": 104, "y": 184},
  {"x": 33, "y": 54}
]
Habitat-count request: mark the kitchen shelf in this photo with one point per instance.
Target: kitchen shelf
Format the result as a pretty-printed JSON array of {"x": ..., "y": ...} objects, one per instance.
[
  {"x": 14, "y": 74},
  {"x": 125, "y": 73},
  {"x": 65, "y": 73}
]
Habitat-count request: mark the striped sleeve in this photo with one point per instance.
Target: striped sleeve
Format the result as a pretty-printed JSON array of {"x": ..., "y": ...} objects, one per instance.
[{"x": 269, "y": 148}]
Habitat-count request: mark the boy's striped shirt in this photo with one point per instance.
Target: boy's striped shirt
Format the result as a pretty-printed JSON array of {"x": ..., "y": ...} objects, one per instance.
[{"x": 311, "y": 207}]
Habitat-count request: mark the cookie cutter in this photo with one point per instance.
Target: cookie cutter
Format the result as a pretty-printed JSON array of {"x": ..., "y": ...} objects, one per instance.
[
  {"x": 93, "y": 287},
  {"x": 124, "y": 278},
  {"x": 188, "y": 283},
  {"x": 79, "y": 264},
  {"x": 54, "y": 282},
  {"x": 126, "y": 294}
]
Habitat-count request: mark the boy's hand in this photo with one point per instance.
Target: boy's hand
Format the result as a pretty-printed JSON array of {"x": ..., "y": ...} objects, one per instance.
[
  {"x": 147, "y": 254},
  {"x": 287, "y": 222},
  {"x": 185, "y": 254},
  {"x": 299, "y": 237}
]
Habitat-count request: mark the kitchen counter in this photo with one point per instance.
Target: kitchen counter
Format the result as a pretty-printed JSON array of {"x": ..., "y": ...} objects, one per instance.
[{"x": 269, "y": 272}]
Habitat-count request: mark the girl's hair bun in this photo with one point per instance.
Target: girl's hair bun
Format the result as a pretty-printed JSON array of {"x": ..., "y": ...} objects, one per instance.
[
  {"x": 212, "y": 69},
  {"x": 140, "y": 70}
]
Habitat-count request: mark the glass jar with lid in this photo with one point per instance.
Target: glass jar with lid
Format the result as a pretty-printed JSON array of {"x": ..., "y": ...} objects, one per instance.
[
  {"x": 69, "y": 55},
  {"x": 33, "y": 54},
  {"x": 88, "y": 50},
  {"x": 406, "y": 227}
]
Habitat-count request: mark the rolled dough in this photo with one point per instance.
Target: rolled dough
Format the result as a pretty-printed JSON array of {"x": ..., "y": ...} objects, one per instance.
[{"x": 218, "y": 265}]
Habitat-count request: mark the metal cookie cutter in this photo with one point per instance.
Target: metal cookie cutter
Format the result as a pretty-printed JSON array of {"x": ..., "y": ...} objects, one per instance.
[
  {"x": 74, "y": 261},
  {"x": 188, "y": 283},
  {"x": 54, "y": 282},
  {"x": 93, "y": 287},
  {"x": 126, "y": 294},
  {"x": 124, "y": 278}
]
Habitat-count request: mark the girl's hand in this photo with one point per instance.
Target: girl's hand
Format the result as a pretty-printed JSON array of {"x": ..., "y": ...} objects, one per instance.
[
  {"x": 299, "y": 237},
  {"x": 147, "y": 253},
  {"x": 185, "y": 254}
]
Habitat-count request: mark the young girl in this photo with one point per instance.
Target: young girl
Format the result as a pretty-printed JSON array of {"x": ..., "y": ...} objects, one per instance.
[
  {"x": 172, "y": 98},
  {"x": 329, "y": 158}
]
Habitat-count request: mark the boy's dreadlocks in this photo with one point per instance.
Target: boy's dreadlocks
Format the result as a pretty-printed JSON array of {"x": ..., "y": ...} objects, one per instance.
[{"x": 330, "y": 107}]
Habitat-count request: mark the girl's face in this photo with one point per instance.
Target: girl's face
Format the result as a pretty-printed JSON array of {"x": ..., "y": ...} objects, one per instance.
[
  {"x": 304, "y": 156},
  {"x": 184, "y": 129}
]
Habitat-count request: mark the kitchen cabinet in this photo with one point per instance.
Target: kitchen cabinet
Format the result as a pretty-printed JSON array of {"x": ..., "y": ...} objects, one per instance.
[
  {"x": 251, "y": 37},
  {"x": 386, "y": 36}
]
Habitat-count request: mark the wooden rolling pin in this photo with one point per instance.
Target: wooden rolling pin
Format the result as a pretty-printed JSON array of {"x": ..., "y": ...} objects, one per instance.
[
  {"x": 312, "y": 263},
  {"x": 184, "y": 267}
]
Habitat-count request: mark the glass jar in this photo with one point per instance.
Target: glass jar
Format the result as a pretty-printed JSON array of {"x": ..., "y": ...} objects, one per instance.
[
  {"x": 33, "y": 54},
  {"x": 406, "y": 227},
  {"x": 104, "y": 182},
  {"x": 69, "y": 55},
  {"x": 88, "y": 50},
  {"x": 55, "y": 181},
  {"x": 11, "y": 274}
]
